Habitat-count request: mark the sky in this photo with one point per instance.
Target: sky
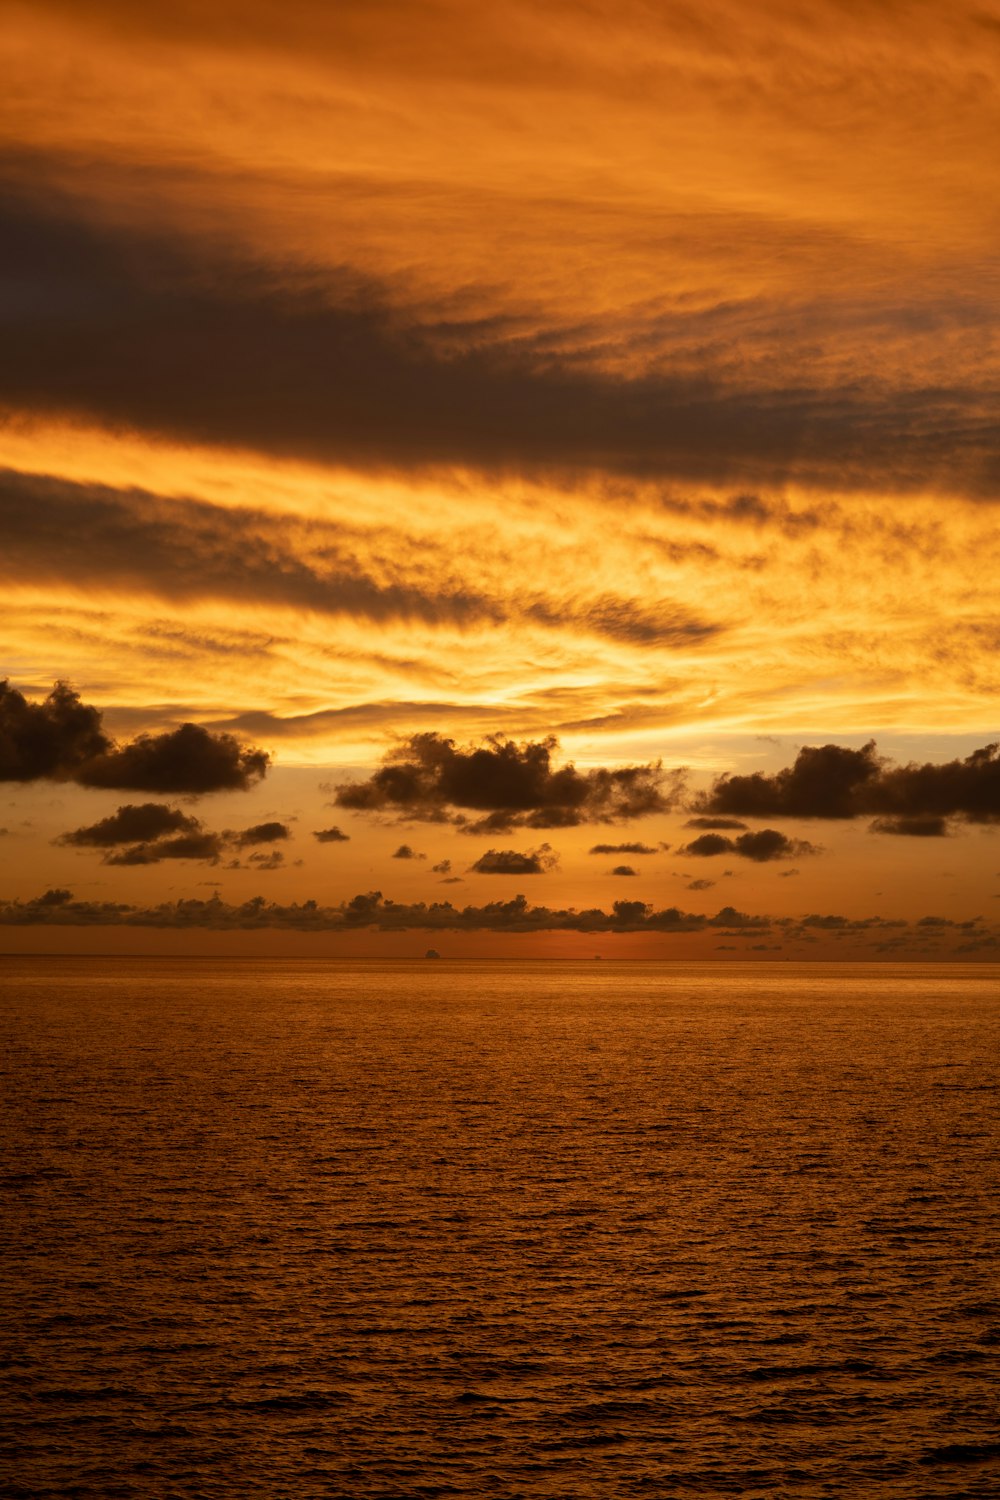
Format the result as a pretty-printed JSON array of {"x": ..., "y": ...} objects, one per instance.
[{"x": 515, "y": 480}]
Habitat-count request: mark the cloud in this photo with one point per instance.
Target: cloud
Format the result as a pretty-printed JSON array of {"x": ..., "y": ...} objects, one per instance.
[
  {"x": 715, "y": 823},
  {"x": 184, "y": 549},
  {"x": 624, "y": 870},
  {"x": 405, "y": 852},
  {"x": 272, "y": 860},
  {"x": 515, "y": 784},
  {"x": 189, "y": 759},
  {"x": 310, "y": 364},
  {"x": 261, "y": 833},
  {"x": 621, "y": 849},
  {"x": 699, "y": 885},
  {"x": 331, "y": 836},
  {"x": 197, "y": 845},
  {"x": 53, "y": 739},
  {"x": 135, "y": 823},
  {"x": 370, "y": 910},
  {"x": 62, "y": 739},
  {"x": 154, "y": 832},
  {"x": 832, "y": 781},
  {"x": 925, "y": 826},
  {"x": 443, "y": 867},
  {"x": 763, "y": 845},
  {"x": 511, "y": 862}
]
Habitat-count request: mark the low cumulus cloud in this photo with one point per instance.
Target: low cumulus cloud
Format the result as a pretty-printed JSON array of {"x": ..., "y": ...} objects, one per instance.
[
  {"x": 261, "y": 833},
  {"x": 135, "y": 823},
  {"x": 514, "y": 785},
  {"x": 63, "y": 739},
  {"x": 834, "y": 781},
  {"x": 146, "y": 833},
  {"x": 624, "y": 870},
  {"x": 370, "y": 910},
  {"x": 513, "y": 862},
  {"x": 331, "y": 836},
  {"x": 406, "y": 852},
  {"x": 763, "y": 845}
]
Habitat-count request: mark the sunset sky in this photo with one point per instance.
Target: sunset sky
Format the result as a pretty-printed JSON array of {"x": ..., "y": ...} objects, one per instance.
[{"x": 539, "y": 447}]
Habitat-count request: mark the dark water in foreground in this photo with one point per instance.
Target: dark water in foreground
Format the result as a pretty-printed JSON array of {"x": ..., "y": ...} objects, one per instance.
[{"x": 307, "y": 1229}]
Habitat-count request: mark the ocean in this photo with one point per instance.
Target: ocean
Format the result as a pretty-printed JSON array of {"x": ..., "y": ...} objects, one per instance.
[{"x": 301, "y": 1229}]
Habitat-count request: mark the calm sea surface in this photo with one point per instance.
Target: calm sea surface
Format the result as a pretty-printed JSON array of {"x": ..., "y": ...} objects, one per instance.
[{"x": 299, "y": 1229}]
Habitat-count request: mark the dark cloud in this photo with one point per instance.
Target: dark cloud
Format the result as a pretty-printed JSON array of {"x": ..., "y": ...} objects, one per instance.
[
  {"x": 621, "y": 849},
  {"x": 261, "y": 833},
  {"x": 824, "y": 782},
  {"x": 443, "y": 867},
  {"x": 926, "y": 827},
  {"x": 146, "y": 833},
  {"x": 624, "y": 870},
  {"x": 135, "y": 823},
  {"x": 154, "y": 832},
  {"x": 54, "y": 739},
  {"x": 335, "y": 370},
  {"x": 61, "y": 739},
  {"x": 511, "y": 862},
  {"x": 272, "y": 860},
  {"x": 832, "y": 781},
  {"x": 331, "y": 836},
  {"x": 189, "y": 759},
  {"x": 699, "y": 885},
  {"x": 405, "y": 852},
  {"x": 515, "y": 785},
  {"x": 197, "y": 845},
  {"x": 716, "y": 823},
  {"x": 370, "y": 910},
  {"x": 763, "y": 845}
]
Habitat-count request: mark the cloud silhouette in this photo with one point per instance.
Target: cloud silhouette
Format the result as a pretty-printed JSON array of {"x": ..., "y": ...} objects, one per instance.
[
  {"x": 515, "y": 785},
  {"x": 261, "y": 833},
  {"x": 405, "y": 852},
  {"x": 511, "y": 862},
  {"x": 62, "y": 739},
  {"x": 135, "y": 823},
  {"x": 832, "y": 781},
  {"x": 920, "y": 826},
  {"x": 331, "y": 836},
  {"x": 763, "y": 845},
  {"x": 370, "y": 909}
]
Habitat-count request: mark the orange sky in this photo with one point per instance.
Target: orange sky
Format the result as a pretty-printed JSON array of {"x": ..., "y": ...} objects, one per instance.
[{"x": 619, "y": 373}]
